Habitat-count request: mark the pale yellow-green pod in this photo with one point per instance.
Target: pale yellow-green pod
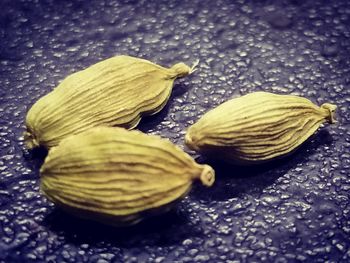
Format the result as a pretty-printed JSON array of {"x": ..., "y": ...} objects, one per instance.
[
  {"x": 119, "y": 177},
  {"x": 257, "y": 127},
  {"x": 114, "y": 92}
]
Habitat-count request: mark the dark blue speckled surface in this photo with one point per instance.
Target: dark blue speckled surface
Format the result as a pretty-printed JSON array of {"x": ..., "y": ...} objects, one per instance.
[{"x": 294, "y": 210}]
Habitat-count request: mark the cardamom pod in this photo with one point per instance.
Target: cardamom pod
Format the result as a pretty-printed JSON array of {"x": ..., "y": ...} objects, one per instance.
[
  {"x": 117, "y": 176},
  {"x": 257, "y": 127},
  {"x": 114, "y": 92}
]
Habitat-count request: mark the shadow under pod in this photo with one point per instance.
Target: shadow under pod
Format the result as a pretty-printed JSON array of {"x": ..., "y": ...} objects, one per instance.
[
  {"x": 158, "y": 230},
  {"x": 233, "y": 180},
  {"x": 35, "y": 158},
  {"x": 149, "y": 122}
]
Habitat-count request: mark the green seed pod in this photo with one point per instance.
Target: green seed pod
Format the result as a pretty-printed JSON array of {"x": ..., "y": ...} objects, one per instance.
[
  {"x": 257, "y": 127},
  {"x": 117, "y": 176},
  {"x": 114, "y": 92}
]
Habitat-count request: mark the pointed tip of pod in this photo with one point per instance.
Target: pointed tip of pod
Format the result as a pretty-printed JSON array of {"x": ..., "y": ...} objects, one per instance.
[
  {"x": 194, "y": 66},
  {"x": 182, "y": 70},
  {"x": 207, "y": 176},
  {"x": 30, "y": 140},
  {"x": 330, "y": 111},
  {"x": 190, "y": 142}
]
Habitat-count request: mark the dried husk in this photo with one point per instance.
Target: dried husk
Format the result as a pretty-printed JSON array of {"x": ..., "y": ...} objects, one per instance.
[
  {"x": 257, "y": 127},
  {"x": 119, "y": 177},
  {"x": 114, "y": 92}
]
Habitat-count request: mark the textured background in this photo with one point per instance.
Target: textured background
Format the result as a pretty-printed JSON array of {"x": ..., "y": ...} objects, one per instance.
[{"x": 294, "y": 210}]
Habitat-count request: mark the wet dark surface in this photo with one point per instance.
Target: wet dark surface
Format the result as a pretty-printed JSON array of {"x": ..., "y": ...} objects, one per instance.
[{"x": 293, "y": 210}]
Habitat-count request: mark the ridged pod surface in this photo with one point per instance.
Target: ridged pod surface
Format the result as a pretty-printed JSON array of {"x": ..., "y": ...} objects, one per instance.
[
  {"x": 257, "y": 127},
  {"x": 114, "y": 92},
  {"x": 118, "y": 176}
]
